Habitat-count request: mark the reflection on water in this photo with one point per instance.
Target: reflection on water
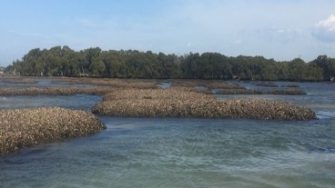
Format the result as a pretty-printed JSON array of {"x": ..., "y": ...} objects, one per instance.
[
  {"x": 165, "y": 84},
  {"x": 183, "y": 152}
]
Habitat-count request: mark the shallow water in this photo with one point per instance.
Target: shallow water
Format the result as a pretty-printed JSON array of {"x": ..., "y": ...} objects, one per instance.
[
  {"x": 163, "y": 153},
  {"x": 183, "y": 153},
  {"x": 165, "y": 84},
  {"x": 83, "y": 102}
]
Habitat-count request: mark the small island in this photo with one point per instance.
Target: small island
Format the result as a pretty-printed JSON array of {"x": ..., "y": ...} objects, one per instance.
[
  {"x": 22, "y": 128},
  {"x": 185, "y": 103}
]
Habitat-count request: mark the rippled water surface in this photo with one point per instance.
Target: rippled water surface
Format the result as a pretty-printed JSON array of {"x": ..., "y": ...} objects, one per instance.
[
  {"x": 84, "y": 102},
  {"x": 163, "y": 153}
]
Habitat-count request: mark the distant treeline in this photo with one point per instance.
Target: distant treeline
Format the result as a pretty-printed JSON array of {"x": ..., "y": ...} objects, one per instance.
[{"x": 63, "y": 61}]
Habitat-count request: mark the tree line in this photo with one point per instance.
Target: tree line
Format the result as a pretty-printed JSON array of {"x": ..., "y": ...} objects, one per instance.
[{"x": 94, "y": 62}]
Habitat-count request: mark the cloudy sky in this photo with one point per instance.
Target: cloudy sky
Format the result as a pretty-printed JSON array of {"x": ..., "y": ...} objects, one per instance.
[{"x": 280, "y": 29}]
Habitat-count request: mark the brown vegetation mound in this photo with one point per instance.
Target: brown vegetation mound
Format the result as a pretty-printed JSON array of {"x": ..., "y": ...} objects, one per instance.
[
  {"x": 210, "y": 84},
  {"x": 288, "y": 91},
  {"x": 277, "y": 91},
  {"x": 28, "y": 127},
  {"x": 184, "y": 103},
  {"x": 32, "y": 91},
  {"x": 113, "y": 82},
  {"x": 18, "y": 80}
]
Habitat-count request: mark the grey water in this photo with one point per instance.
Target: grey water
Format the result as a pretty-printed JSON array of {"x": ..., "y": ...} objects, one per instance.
[{"x": 154, "y": 152}]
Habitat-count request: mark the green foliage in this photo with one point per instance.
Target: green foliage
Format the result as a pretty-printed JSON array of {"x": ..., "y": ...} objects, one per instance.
[
  {"x": 63, "y": 61},
  {"x": 97, "y": 68},
  {"x": 327, "y": 65}
]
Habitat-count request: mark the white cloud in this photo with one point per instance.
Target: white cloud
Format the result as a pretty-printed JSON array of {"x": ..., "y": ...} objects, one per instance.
[
  {"x": 325, "y": 29},
  {"x": 328, "y": 24}
]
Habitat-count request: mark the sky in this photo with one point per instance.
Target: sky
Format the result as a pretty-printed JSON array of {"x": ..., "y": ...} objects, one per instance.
[{"x": 279, "y": 29}]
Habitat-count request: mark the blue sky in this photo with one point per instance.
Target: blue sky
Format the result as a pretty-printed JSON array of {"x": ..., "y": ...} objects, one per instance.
[{"x": 279, "y": 29}]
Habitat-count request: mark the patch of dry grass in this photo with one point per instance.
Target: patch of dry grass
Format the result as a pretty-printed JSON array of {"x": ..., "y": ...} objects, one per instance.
[
  {"x": 181, "y": 93},
  {"x": 223, "y": 85},
  {"x": 28, "y": 127},
  {"x": 200, "y": 86},
  {"x": 186, "y": 103},
  {"x": 186, "y": 83},
  {"x": 113, "y": 82},
  {"x": 288, "y": 91},
  {"x": 33, "y": 91},
  {"x": 277, "y": 91},
  {"x": 210, "y": 84},
  {"x": 238, "y": 92},
  {"x": 265, "y": 109},
  {"x": 18, "y": 80}
]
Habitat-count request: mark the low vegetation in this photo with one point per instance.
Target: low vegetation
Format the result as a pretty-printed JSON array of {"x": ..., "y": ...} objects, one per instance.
[
  {"x": 276, "y": 91},
  {"x": 114, "y": 83},
  {"x": 100, "y": 86},
  {"x": 288, "y": 91},
  {"x": 231, "y": 88},
  {"x": 33, "y": 91},
  {"x": 17, "y": 80},
  {"x": 223, "y": 85},
  {"x": 28, "y": 127},
  {"x": 242, "y": 91},
  {"x": 210, "y": 84},
  {"x": 187, "y": 103}
]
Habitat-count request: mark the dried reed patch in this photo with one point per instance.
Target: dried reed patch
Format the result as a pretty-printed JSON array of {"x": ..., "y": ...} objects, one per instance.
[
  {"x": 210, "y": 84},
  {"x": 223, "y": 85},
  {"x": 27, "y": 127},
  {"x": 187, "y": 83},
  {"x": 115, "y": 83},
  {"x": 181, "y": 93},
  {"x": 265, "y": 109},
  {"x": 277, "y": 91},
  {"x": 288, "y": 91},
  {"x": 237, "y": 92},
  {"x": 185, "y": 103},
  {"x": 18, "y": 80},
  {"x": 33, "y": 91}
]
